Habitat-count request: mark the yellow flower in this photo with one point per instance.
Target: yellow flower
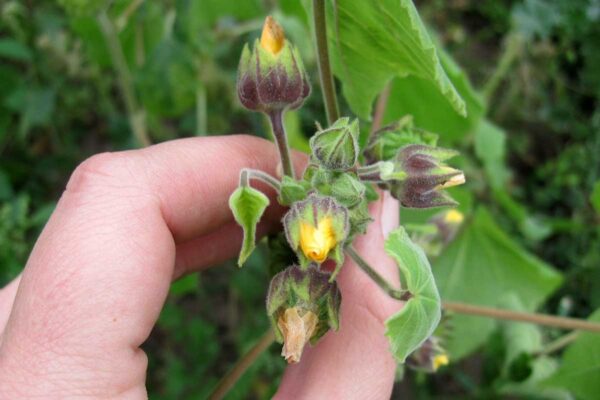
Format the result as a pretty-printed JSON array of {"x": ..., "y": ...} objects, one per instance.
[
  {"x": 454, "y": 217},
  {"x": 316, "y": 242},
  {"x": 439, "y": 360},
  {"x": 272, "y": 38}
]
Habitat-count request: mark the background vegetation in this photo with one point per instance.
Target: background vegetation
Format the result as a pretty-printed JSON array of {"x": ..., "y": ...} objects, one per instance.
[{"x": 77, "y": 80}]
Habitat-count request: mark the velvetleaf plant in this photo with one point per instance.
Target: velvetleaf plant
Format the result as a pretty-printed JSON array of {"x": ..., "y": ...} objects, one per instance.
[{"x": 328, "y": 208}]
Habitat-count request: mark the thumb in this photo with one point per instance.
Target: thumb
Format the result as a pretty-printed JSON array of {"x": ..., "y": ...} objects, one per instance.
[{"x": 354, "y": 362}]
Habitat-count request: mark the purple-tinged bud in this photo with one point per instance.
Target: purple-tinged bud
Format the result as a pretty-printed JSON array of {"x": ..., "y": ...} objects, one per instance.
[
  {"x": 271, "y": 77},
  {"x": 316, "y": 229},
  {"x": 418, "y": 176}
]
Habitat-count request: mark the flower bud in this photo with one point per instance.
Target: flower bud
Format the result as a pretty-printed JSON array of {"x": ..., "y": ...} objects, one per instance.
[
  {"x": 448, "y": 223},
  {"x": 429, "y": 357},
  {"x": 336, "y": 148},
  {"x": 302, "y": 305},
  {"x": 316, "y": 229},
  {"x": 424, "y": 176},
  {"x": 271, "y": 77},
  {"x": 385, "y": 142}
]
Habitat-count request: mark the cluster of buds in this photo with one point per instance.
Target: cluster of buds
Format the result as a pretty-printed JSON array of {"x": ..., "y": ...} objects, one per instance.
[
  {"x": 271, "y": 76},
  {"x": 302, "y": 305}
]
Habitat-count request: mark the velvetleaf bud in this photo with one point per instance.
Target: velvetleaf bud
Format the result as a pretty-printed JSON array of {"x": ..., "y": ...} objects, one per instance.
[
  {"x": 316, "y": 229},
  {"x": 336, "y": 148},
  {"x": 271, "y": 76},
  {"x": 385, "y": 142},
  {"x": 420, "y": 176},
  {"x": 302, "y": 305}
]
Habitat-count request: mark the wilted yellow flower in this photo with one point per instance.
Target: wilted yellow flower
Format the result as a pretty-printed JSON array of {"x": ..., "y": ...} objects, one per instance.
[
  {"x": 272, "y": 38},
  {"x": 440, "y": 360},
  {"x": 297, "y": 330},
  {"x": 454, "y": 217},
  {"x": 316, "y": 242}
]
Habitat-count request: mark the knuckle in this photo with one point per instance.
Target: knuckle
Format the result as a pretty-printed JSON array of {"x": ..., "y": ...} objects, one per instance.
[{"x": 101, "y": 171}]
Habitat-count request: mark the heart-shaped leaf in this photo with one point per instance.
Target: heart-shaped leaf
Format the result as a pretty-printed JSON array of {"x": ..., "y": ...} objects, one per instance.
[{"x": 419, "y": 317}]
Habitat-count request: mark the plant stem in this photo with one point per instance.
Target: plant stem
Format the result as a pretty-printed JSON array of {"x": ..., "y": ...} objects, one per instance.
[
  {"x": 136, "y": 115},
  {"x": 123, "y": 19},
  {"x": 380, "y": 107},
  {"x": 540, "y": 319},
  {"x": 513, "y": 46},
  {"x": 201, "y": 117},
  {"x": 327, "y": 83},
  {"x": 276, "y": 118},
  {"x": 248, "y": 174},
  {"x": 397, "y": 294},
  {"x": 242, "y": 365},
  {"x": 558, "y": 344}
]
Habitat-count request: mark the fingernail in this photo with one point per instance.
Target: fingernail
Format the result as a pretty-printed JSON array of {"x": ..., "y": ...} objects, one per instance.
[{"x": 390, "y": 213}]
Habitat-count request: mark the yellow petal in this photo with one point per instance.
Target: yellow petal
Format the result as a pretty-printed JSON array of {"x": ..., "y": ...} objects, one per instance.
[
  {"x": 439, "y": 360},
  {"x": 272, "y": 38},
  {"x": 317, "y": 242}
]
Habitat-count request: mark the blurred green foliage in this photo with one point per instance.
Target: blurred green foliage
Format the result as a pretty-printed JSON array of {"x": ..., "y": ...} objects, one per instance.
[{"x": 530, "y": 145}]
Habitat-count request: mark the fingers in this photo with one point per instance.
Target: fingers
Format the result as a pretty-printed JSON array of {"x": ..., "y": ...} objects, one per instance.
[
  {"x": 355, "y": 362},
  {"x": 98, "y": 276},
  {"x": 7, "y": 297}
]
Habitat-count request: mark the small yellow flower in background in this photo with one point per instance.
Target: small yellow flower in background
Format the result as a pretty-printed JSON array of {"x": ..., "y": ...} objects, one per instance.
[
  {"x": 316, "y": 242},
  {"x": 272, "y": 38},
  {"x": 440, "y": 360},
  {"x": 454, "y": 217}
]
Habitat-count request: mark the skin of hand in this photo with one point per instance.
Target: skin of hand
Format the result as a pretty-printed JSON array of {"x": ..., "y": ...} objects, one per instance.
[{"x": 126, "y": 226}]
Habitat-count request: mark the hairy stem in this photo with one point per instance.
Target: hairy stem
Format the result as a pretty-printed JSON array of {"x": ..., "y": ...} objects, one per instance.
[
  {"x": 242, "y": 365},
  {"x": 539, "y": 319},
  {"x": 397, "y": 294},
  {"x": 276, "y": 118},
  {"x": 248, "y": 174},
  {"x": 136, "y": 115},
  {"x": 327, "y": 83}
]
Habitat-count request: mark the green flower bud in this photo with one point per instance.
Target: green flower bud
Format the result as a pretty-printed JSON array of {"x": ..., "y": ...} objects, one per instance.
[
  {"x": 271, "y": 77},
  {"x": 302, "y": 305},
  {"x": 316, "y": 229},
  {"x": 336, "y": 148},
  {"x": 385, "y": 142}
]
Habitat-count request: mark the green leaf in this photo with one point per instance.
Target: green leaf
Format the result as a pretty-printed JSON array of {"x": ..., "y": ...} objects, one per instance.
[
  {"x": 490, "y": 148},
  {"x": 372, "y": 42},
  {"x": 595, "y": 197},
  {"x": 12, "y": 49},
  {"x": 248, "y": 206},
  {"x": 430, "y": 109},
  {"x": 419, "y": 317},
  {"x": 580, "y": 366},
  {"x": 481, "y": 266}
]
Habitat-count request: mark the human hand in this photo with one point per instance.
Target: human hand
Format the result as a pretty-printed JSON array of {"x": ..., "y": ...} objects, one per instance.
[{"x": 127, "y": 225}]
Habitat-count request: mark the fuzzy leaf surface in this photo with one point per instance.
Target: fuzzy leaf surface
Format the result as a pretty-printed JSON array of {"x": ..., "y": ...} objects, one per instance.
[
  {"x": 248, "y": 206},
  {"x": 419, "y": 317}
]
